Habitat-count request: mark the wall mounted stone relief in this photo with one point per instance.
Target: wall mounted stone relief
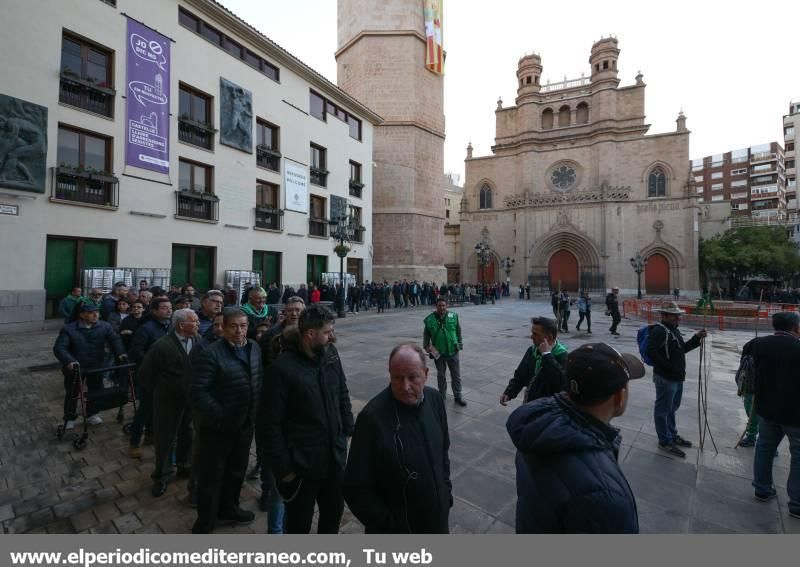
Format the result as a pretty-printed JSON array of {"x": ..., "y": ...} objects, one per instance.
[
  {"x": 236, "y": 116},
  {"x": 23, "y": 144}
]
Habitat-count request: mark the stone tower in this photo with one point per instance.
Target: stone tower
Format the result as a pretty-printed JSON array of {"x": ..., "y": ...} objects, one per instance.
[{"x": 381, "y": 62}]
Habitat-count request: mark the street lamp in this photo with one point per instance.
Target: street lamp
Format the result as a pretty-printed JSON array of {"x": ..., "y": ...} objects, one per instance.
[
  {"x": 638, "y": 264},
  {"x": 342, "y": 229},
  {"x": 484, "y": 252},
  {"x": 507, "y": 264}
]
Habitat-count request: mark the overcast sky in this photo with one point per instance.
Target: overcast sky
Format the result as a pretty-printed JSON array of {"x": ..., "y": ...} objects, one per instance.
[{"x": 731, "y": 66}]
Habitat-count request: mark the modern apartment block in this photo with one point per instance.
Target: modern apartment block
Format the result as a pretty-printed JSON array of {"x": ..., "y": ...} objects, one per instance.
[
  {"x": 791, "y": 138},
  {"x": 753, "y": 180},
  {"x": 169, "y": 135}
]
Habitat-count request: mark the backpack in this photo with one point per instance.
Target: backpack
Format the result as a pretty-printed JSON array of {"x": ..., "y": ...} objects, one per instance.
[
  {"x": 642, "y": 339},
  {"x": 746, "y": 376}
]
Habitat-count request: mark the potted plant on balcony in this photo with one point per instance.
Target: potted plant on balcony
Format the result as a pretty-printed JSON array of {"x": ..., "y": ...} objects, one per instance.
[
  {"x": 76, "y": 171},
  {"x": 101, "y": 175}
]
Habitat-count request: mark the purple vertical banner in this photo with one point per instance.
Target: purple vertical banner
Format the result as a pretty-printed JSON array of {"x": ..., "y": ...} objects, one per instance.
[{"x": 147, "y": 127}]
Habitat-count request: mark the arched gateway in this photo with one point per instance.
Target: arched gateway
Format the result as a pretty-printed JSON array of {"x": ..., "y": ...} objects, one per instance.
[{"x": 563, "y": 271}]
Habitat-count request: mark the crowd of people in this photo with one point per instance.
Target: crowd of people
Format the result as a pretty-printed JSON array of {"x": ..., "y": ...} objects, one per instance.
[{"x": 212, "y": 378}]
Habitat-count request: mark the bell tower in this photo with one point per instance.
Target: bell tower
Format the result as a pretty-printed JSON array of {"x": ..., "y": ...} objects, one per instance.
[{"x": 381, "y": 62}]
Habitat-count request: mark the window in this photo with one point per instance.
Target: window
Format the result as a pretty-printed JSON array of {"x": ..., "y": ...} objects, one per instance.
[
  {"x": 84, "y": 171},
  {"x": 194, "y": 118},
  {"x": 697, "y": 164},
  {"x": 605, "y": 65},
  {"x": 789, "y": 146},
  {"x": 86, "y": 78},
  {"x": 316, "y": 106},
  {"x": 717, "y": 197},
  {"x": 268, "y": 213},
  {"x": 318, "y": 222},
  {"x": 447, "y": 213},
  {"x": 788, "y": 132},
  {"x": 547, "y": 119},
  {"x": 358, "y": 231},
  {"x": 528, "y": 80},
  {"x": 319, "y": 175},
  {"x": 485, "y": 197},
  {"x": 789, "y": 163},
  {"x": 739, "y": 172},
  {"x": 582, "y": 116},
  {"x": 268, "y": 153},
  {"x": 716, "y": 175},
  {"x": 716, "y": 187},
  {"x": 698, "y": 178},
  {"x": 268, "y": 264},
  {"x": 739, "y": 196},
  {"x": 657, "y": 183},
  {"x": 194, "y": 177},
  {"x": 196, "y": 264},
  {"x": 356, "y": 185},
  {"x": 355, "y": 127},
  {"x": 563, "y": 116},
  {"x": 198, "y": 26},
  {"x": 739, "y": 183}
]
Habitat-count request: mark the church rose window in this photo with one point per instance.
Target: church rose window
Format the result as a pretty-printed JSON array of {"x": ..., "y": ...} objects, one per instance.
[{"x": 563, "y": 178}]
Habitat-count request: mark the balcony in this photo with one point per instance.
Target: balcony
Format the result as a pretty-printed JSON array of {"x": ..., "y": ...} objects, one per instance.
[
  {"x": 356, "y": 188},
  {"x": 82, "y": 187},
  {"x": 268, "y": 158},
  {"x": 197, "y": 206},
  {"x": 268, "y": 218},
  {"x": 196, "y": 133},
  {"x": 763, "y": 156},
  {"x": 96, "y": 98},
  {"x": 319, "y": 176},
  {"x": 358, "y": 234},
  {"x": 566, "y": 84},
  {"x": 318, "y": 227}
]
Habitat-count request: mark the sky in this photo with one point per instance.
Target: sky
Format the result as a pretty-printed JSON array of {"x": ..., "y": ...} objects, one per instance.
[{"x": 731, "y": 66}]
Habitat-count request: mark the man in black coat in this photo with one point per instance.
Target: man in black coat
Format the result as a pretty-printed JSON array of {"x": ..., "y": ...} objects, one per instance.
[
  {"x": 82, "y": 343},
  {"x": 612, "y": 309},
  {"x": 568, "y": 477},
  {"x": 398, "y": 472},
  {"x": 776, "y": 359},
  {"x": 166, "y": 371},
  {"x": 146, "y": 334},
  {"x": 224, "y": 397},
  {"x": 667, "y": 350},
  {"x": 309, "y": 421},
  {"x": 541, "y": 372}
]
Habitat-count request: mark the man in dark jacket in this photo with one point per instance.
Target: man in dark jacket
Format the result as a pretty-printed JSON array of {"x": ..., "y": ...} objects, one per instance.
[
  {"x": 82, "y": 343},
  {"x": 776, "y": 359},
  {"x": 568, "y": 477},
  {"x": 309, "y": 422},
  {"x": 542, "y": 370},
  {"x": 224, "y": 398},
  {"x": 398, "y": 472},
  {"x": 271, "y": 344},
  {"x": 145, "y": 336},
  {"x": 612, "y": 309},
  {"x": 166, "y": 371},
  {"x": 667, "y": 350}
]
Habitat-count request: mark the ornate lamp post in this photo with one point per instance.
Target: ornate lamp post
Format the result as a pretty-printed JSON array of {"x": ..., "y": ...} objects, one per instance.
[
  {"x": 638, "y": 264},
  {"x": 507, "y": 264},
  {"x": 484, "y": 252},
  {"x": 342, "y": 229}
]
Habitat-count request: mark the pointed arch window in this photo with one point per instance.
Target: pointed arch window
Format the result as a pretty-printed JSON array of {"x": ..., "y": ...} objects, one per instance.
[
  {"x": 486, "y": 197},
  {"x": 657, "y": 183}
]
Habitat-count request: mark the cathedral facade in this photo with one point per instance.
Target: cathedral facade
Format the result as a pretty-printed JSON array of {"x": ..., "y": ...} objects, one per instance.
[{"x": 575, "y": 188}]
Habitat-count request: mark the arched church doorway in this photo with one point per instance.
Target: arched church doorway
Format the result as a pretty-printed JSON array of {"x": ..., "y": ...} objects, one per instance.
[
  {"x": 486, "y": 274},
  {"x": 563, "y": 271},
  {"x": 656, "y": 275}
]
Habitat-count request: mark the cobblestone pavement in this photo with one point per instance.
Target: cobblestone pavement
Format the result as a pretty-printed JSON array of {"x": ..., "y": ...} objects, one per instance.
[{"x": 48, "y": 486}]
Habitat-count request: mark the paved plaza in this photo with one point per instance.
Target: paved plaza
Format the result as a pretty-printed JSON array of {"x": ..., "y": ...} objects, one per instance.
[{"x": 48, "y": 486}]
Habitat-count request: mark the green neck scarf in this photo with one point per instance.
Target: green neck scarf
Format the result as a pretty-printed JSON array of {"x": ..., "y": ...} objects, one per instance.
[
  {"x": 557, "y": 350},
  {"x": 250, "y": 310}
]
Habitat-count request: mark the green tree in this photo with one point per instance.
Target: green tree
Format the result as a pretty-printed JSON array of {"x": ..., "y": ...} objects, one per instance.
[{"x": 751, "y": 251}]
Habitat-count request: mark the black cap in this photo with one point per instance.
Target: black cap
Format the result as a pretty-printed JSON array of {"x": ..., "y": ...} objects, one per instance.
[
  {"x": 87, "y": 307},
  {"x": 597, "y": 370}
]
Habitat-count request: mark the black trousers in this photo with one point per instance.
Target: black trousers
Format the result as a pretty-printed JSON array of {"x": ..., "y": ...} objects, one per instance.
[
  {"x": 615, "y": 319},
  {"x": 325, "y": 493},
  {"x": 585, "y": 315},
  {"x": 222, "y": 462},
  {"x": 172, "y": 428}
]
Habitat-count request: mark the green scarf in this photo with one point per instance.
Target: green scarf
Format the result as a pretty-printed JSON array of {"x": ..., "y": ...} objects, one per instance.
[
  {"x": 558, "y": 349},
  {"x": 250, "y": 311}
]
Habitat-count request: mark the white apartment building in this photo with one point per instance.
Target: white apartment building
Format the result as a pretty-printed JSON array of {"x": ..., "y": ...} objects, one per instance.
[{"x": 81, "y": 181}]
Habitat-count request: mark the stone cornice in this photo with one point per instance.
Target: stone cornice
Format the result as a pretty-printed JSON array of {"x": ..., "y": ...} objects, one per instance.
[
  {"x": 604, "y": 194},
  {"x": 381, "y": 33},
  {"x": 414, "y": 124}
]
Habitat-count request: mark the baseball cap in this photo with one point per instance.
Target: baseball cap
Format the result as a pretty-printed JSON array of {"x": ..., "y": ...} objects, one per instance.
[
  {"x": 596, "y": 371},
  {"x": 87, "y": 307}
]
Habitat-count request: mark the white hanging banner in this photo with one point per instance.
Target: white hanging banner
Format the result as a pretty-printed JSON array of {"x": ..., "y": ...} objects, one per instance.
[{"x": 295, "y": 181}]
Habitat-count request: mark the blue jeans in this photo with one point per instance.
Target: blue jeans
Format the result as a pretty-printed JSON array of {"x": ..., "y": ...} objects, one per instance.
[
  {"x": 275, "y": 508},
  {"x": 668, "y": 400},
  {"x": 770, "y": 435}
]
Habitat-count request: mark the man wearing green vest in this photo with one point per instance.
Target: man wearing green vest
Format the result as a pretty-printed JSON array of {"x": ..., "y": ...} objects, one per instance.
[{"x": 442, "y": 341}]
